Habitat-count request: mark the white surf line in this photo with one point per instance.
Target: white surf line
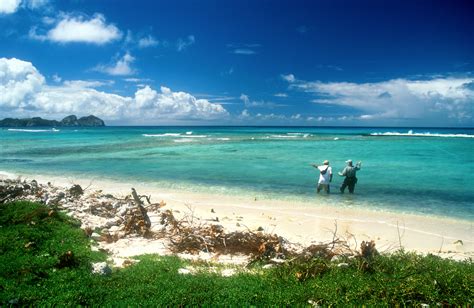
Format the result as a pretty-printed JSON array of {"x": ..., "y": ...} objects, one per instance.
[
  {"x": 422, "y": 135},
  {"x": 33, "y": 130}
]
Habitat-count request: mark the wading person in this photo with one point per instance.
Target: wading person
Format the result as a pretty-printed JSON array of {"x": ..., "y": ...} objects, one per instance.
[
  {"x": 350, "y": 173},
  {"x": 325, "y": 176}
]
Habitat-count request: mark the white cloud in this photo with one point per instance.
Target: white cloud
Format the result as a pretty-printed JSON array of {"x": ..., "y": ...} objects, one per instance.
[
  {"x": 137, "y": 80},
  {"x": 245, "y": 114},
  {"x": 9, "y": 6},
  {"x": 182, "y": 44},
  {"x": 19, "y": 82},
  {"x": 148, "y": 41},
  {"x": 259, "y": 104},
  {"x": 57, "y": 78},
  {"x": 441, "y": 98},
  {"x": 120, "y": 68},
  {"x": 27, "y": 95},
  {"x": 48, "y": 20},
  {"x": 178, "y": 104},
  {"x": 244, "y": 51},
  {"x": 248, "y": 103},
  {"x": 87, "y": 83},
  {"x": 245, "y": 99},
  {"x": 290, "y": 78},
  {"x": 280, "y": 95},
  {"x": 35, "y": 4},
  {"x": 72, "y": 29}
]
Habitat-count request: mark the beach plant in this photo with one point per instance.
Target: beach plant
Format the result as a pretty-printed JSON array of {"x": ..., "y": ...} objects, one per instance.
[
  {"x": 34, "y": 240},
  {"x": 39, "y": 245}
]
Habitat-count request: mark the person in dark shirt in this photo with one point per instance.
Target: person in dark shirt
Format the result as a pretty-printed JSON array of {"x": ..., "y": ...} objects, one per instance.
[{"x": 350, "y": 173}]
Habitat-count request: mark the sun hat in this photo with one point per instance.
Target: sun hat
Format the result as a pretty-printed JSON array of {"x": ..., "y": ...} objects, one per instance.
[
  {"x": 349, "y": 161},
  {"x": 326, "y": 162}
]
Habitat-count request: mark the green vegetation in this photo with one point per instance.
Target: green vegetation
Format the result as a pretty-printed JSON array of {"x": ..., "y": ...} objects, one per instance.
[{"x": 45, "y": 260}]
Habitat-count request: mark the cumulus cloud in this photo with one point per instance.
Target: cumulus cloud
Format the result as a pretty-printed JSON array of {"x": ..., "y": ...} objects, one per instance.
[
  {"x": 72, "y": 29},
  {"x": 27, "y": 94},
  {"x": 120, "y": 68},
  {"x": 9, "y": 6},
  {"x": 182, "y": 44},
  {"x": 19, "y": 83},
  {"x": 431, "y": 99}
]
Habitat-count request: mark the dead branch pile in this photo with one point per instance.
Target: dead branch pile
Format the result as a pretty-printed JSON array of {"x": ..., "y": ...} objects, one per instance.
[{"x": 186, "y": 237}]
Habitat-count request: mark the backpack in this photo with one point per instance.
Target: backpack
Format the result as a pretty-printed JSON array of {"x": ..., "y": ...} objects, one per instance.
[{"x": 323, "y": 172}]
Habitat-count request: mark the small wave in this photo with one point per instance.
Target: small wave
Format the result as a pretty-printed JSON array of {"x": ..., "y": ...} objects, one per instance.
[
  {"x": 410, "y": 133},
  {"x": 283, "y": 136},
  {"x": 183, "y": 140},
  {"x": 162, "y": 135},
  {"x": 33, "y": 130},
  {"x": 221, "y": 138},
  {"x": 193, "y": 136},
  {"x": 189, "y": 133}
]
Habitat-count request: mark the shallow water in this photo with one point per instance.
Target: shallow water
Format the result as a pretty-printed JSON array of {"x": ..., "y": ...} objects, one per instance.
[{"x": 424, "y": 171}]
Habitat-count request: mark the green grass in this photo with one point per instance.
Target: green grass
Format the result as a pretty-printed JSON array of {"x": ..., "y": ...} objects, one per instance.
[{"x": 32, "y": 274}]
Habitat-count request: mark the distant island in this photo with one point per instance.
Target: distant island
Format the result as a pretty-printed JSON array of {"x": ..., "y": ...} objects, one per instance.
[{"x": 69, "y": 121}]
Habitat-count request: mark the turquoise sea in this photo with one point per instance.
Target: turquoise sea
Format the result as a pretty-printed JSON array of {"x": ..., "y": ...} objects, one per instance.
[{"x": 425, "y": 171}]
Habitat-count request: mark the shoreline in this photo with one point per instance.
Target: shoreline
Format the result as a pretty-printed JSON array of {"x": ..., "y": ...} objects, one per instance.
[{"x": 299, "y": 222}]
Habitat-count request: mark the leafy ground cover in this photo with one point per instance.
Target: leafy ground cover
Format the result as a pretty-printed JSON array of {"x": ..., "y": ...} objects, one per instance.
[{"x": 45, "y": 259}]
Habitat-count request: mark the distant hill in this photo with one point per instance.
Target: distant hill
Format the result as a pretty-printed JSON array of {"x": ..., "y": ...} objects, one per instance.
[{"x": 72, "y": 121}]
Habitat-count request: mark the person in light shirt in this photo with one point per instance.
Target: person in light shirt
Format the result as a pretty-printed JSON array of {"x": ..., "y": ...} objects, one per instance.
[{"x": 325, "y": 176}]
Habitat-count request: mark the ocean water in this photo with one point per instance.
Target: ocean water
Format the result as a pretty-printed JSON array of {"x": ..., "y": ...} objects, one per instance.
[{"x": 424, "y": 171}]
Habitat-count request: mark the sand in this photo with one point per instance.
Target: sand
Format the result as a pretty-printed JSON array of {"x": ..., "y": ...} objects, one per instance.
[{"x": 299, "y": 222}]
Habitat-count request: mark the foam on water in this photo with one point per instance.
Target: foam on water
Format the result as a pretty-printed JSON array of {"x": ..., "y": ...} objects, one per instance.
[
  {"x": 33, "y": 130},
  {"x": 410, "y": 133},
  {"x": 194, "y": 136},
  {"x": 162, "y": 135},
  {"x": 183, "y": 140}
]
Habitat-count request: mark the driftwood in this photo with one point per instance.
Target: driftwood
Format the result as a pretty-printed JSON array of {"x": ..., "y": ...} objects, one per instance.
[
  {"x": 139, "y": 204},
  {"x": 137, "y": 220}
]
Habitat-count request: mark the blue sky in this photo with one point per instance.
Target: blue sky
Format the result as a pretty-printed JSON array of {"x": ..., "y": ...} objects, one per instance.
[{"x": 390, "y": 63}]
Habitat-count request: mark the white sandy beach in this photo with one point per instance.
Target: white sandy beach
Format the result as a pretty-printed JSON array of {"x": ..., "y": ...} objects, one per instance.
[{"x": 298, "y": 222}]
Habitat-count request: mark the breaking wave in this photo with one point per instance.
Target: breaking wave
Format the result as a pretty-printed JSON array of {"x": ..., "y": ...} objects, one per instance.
[
  {"x": 410, "y": 133},
  {"x": 161, "y": 135},
  {"x": 33, "y": 130}
]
